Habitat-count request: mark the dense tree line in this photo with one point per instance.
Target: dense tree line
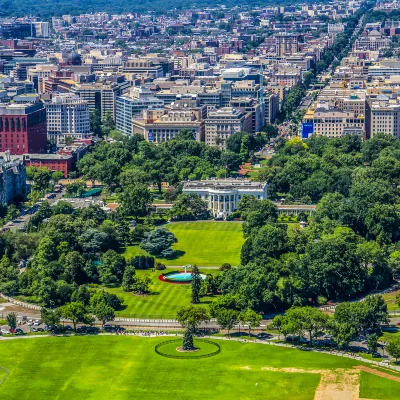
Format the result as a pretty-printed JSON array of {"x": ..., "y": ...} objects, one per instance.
[
  {"x": 343, "y": 42},
  {"x": 45, "y": 9},
  {"x": 128, "y": 167},
  {"x": 351, "y": 243},
  {"x": 65, "y": 250},
  {"x": 349, "y": 321}
]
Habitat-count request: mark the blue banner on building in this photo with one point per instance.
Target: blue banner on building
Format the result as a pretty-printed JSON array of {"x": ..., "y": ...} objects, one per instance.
[{"x": 308, "y": 129}]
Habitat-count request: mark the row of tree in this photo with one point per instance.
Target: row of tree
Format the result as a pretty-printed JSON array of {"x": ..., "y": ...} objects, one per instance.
[
  {"x": 86, "y": 307},
  {"x": 348, "y": 322}
]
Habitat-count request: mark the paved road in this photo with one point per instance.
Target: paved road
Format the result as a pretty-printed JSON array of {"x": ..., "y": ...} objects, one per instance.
[{"x": 23, "y": 220}]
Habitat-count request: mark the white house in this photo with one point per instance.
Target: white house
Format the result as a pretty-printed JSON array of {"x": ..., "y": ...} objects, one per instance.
[{"x": 223, "y": 195}]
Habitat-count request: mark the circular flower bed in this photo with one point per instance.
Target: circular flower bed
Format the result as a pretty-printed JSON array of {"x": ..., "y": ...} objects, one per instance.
[{"x": 206, "y": 348}]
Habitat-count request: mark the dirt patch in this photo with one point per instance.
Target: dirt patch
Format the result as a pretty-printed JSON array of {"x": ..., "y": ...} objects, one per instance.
[
  {"x": 20, "y": 310},
  {"x": 181, "y": 350},
  {"x": 340, "y": 383},
  {"x": 336, "y": 384},
  {"x": 378, "y": 373},
  {"x": 295, "y": 370}
]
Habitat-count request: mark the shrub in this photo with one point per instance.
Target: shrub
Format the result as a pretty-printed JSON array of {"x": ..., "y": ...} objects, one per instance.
[
  {"x": 225, "y": 267},
  {"x": 160, "y": 267},
  {"x": 143, "y": 262}
]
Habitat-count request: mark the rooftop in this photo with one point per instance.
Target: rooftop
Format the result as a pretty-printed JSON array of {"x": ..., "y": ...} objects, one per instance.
[{"x": 224, "y": 184}]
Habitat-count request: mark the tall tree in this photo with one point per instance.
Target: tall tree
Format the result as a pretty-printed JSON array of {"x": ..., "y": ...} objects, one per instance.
[
  {"x": 136, "y": 200},
  {"x": 49, "y": 317},
  {"x": 227, "y": 319},
  {"x": 251, "y": 319},
  {"x": 196, "y": 284},
  {"x": 12, "y": 320},
  {"x": 76, "y": 312},
  {"x": 393, "y": 346},
  {"x": 158, "y": 242},
  {"x": 104, "y": 313},
  {"x": 95, "y": 122},
  {"x": 190, "y": 318}
]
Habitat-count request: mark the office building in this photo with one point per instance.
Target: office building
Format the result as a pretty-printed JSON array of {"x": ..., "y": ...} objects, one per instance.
[
  {"x": 286, "y": 44},
  {"x": 223, "y": 123},
  {"x": 23, "y": 128},
  {"x": 12, "y": 179},
  {"x": 132, "y": 105},
  {"x": 374, "y": 41},
  {"x": 160, "y": 125},
  {"x": 42, "y": 29},
  {"x": 67, "y": 115},
  {"x": 102, "y": 94},
  {"x": 385, "y": 118}
]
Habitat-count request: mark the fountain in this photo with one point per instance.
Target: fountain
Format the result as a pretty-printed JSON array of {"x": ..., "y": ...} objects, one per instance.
[{"x": 182, "y": 277}]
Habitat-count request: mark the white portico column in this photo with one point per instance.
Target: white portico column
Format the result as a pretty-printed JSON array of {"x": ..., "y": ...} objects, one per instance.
[
  {"x": 218, "y": 204},
  {"x": 224, "y": 205}
]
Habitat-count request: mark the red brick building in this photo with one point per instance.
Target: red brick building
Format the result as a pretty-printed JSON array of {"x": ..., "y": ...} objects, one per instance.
[
  {"x": 23, "y": 128},
  {"x": 64, "y": 160},
  {"x": 54, "y": 162}
]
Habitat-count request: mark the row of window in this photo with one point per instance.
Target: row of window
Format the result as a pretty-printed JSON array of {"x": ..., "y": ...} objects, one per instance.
[{"x": 12, "y": 124}]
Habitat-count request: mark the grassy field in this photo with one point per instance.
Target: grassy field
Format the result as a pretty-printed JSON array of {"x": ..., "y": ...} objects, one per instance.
[
  {"x": 390, "y": 299},
  {"x": 202, "y": 243},
  {"x": 118, "y": 367},
  {"x": 374, "y": 387},
  {"x": 164, "y": 300}
]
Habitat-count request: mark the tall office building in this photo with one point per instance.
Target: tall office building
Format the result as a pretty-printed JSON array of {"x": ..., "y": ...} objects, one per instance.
[
  {"x": 132, "y": 105},
  {"x": 102, "y": 94},
  {"x": 12, "y": 179},
  {"x": 42, "y": 29},
  {"x": 67, "y": 115},
  {"x": 23, "y": 128},
  {"x": 221, "y": 124},
  {"x": 286, "y": 44}
]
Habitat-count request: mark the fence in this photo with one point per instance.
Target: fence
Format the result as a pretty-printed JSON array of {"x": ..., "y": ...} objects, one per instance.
[
  {"x": 20, "y": 303},
  {"x": 214, "y": 353}
]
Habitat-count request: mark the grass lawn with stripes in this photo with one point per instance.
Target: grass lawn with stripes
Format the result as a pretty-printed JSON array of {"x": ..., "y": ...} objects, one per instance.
[
  {"x": 202, "y": 243},
  {"x": 374, "y": 387},
  {"x": 123, "y": 367},
  {"x": 163, "y": 301},
  {"x": 390, "y": 299}
]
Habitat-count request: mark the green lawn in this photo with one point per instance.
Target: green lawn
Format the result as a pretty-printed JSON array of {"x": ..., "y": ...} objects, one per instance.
[
  {"x": 374, "y": 387},
  {"x": 122, "y": 367},
  {"x": 390, "y": 299},
  {"x": 163, "y": 302},
  {"x": 203, "y": 243}
]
